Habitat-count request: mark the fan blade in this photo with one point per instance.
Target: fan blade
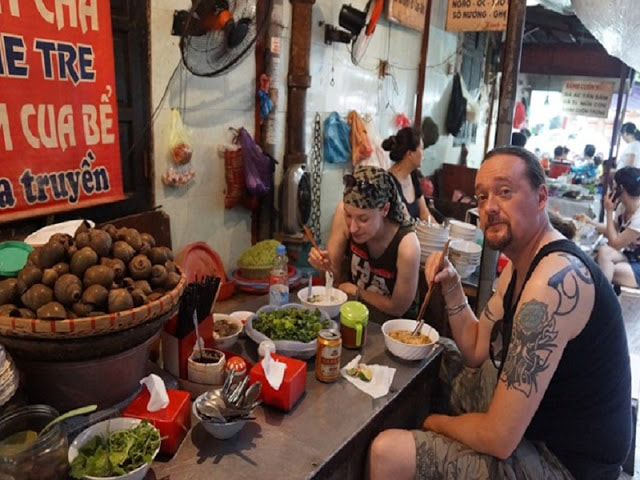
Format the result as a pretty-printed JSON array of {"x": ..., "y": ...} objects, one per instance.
[{"x": 237, "y": 32}]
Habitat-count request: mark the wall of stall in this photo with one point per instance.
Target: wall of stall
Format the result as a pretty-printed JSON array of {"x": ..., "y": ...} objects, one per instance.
[{"x": 211, "y": 106}]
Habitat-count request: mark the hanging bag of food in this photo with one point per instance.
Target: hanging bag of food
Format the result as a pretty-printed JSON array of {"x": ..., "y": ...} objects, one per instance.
[
  {"x": 179, "y": 140},
  {"x": 233, "y": 174},
  {"x": 336, "y": 139},
  {"x": 258, "y": 165}
]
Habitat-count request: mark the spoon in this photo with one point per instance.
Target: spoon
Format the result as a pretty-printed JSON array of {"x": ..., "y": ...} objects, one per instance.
[
  {"x": 199, "y": 342},
  {"x": 226, "y": 386},
  {"x": 209, "y": 409},
  {"x": 251, "y": 394},
  {"x": 216, "y": 398},
  {"x": 238, "y": 391},
  {"x": 69, "y": 414}
]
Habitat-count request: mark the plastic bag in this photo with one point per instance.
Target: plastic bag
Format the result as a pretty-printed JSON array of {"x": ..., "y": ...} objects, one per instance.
[
  {"x": 178, "y": 177},
  {"x": 233, "y": 175},
  {"x": 457, "y": 110},
  {"x": 258, "y": 165},
  {"x": 360, "y": 144},
  {"x": 336, "y": 141},
  {"x": 179, "y": 140}
]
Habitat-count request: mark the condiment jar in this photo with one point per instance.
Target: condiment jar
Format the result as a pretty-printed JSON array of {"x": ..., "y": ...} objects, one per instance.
[
  {"x": 354, "y": 317},
  {"x": 45, "y": 457}
]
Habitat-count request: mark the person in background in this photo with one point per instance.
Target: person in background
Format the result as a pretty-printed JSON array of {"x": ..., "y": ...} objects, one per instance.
[
  {"x": 565, "y": 154},
  {"x": 630, "y": 156},
  {"x": 558, "y": 153},
  {"x": 405, "y": 150},
  {"x": 586, "y": 171},
  {"x": 619, "y": 259},
  {"x": 373, "y": 249},
  {"x": 539, "y": 384},
  {"x": 559, "y": 165}
]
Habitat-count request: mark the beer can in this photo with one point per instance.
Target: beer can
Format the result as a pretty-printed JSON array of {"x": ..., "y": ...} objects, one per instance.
[{"x": 328, "y": 355}]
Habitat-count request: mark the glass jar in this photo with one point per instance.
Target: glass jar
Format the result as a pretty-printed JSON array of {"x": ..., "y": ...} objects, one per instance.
[{"x": 46, "y": 457}]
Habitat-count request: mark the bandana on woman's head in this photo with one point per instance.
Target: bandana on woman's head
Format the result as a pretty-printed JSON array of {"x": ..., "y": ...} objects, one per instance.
[{"x": 371, "y": 187}]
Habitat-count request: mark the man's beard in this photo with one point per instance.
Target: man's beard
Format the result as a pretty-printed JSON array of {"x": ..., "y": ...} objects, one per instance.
[{"x": 499, "y": 242}]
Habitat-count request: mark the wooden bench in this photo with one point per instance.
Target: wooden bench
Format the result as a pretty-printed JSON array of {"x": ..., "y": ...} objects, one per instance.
[{"x": 629, "y": 464}]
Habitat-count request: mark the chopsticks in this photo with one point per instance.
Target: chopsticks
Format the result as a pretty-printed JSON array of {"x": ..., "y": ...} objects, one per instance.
[
  {"x": 427, "y": 297},
  {"x": 196, "y": 303},
  {"x": 309, "y": 235}
]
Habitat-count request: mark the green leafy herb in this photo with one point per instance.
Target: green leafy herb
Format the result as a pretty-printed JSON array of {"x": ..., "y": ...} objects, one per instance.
[
  {"x": 120, "y": 453},
  {"x": 296, "y": 324}
]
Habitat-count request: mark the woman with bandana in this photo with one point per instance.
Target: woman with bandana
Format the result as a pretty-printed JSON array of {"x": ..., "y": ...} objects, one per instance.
[{"x": 373, "y": 250}]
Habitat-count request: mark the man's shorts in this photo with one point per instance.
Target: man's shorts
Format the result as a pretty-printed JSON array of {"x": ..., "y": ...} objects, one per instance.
[{"x": 470, "y": 390}]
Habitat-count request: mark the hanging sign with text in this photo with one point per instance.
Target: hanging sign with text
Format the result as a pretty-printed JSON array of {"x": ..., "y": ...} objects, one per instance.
[
  {"x": 590, "y": 99},
  {"x": 477, "y": 15},
  {"x": 409, "y": 13},
  {"x": 59, "y": 144}
]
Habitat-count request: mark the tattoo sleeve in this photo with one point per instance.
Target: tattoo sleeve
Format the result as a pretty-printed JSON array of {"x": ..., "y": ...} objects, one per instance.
[{"x": 535, "y": 328}]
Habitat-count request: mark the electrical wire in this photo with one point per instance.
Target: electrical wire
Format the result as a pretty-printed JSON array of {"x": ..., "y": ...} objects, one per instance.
[{"x": 155, "y": 112}]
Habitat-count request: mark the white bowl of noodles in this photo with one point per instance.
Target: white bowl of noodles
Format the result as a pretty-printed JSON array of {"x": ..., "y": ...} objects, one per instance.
[
  {"x": 318, "y": 299},
  {"x": 397, "y": 334}
]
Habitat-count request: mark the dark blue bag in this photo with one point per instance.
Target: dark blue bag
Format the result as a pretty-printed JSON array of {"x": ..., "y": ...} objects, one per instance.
[{"x": 336, "y": 141}]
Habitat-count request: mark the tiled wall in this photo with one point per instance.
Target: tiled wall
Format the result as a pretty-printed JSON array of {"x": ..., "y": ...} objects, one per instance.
[{"x": 212, "y": 105}]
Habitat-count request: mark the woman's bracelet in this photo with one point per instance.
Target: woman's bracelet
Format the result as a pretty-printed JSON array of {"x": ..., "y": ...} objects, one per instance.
[{"x": 457, "y": 308}]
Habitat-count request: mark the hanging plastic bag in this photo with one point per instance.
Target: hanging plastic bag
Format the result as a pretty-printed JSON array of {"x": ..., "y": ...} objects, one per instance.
[
  {"x": 233, "y": 174},
  {"x": 258, "y": 165},
  {"x": 336, "y": 141},
  {"x": 360, "y": 143},
  {"x": 457, "y": 111},
  {"x": 178, "y": 177},
  {"x": 179, "y": 140}
]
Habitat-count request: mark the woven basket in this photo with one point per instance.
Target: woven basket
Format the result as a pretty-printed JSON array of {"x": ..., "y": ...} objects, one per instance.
[{"x": 91, "y": 326}]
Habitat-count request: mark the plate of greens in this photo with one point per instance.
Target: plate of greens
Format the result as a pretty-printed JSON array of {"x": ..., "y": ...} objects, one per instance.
[
  {"x": 293, "y": 328},
  {"x": 119, "y": 448}
]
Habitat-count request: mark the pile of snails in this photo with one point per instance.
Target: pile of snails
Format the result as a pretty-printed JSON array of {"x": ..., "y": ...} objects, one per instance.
[{"x": 97, "y": 271}]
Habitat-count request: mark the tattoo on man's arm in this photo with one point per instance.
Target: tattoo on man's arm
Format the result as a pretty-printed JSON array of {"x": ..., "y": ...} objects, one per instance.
[
  {"x": 535, "y": 327},
  {"x": 532, "y": 340}
]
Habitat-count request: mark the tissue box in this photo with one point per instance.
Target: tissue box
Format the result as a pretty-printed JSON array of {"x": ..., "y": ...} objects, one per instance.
[
  {"x": 293, "y": 384},
  {"x": 173, "y": 421}
]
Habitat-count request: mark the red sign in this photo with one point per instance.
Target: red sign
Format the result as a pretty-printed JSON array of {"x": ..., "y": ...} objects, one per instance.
[{"x": 59, "y": 145}]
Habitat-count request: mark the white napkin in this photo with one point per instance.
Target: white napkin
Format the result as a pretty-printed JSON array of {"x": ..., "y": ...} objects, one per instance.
[
  {"x": 158, "y": 392},
  {"x": 273, "y": 370},
  {"x": 381, "y": 378}
]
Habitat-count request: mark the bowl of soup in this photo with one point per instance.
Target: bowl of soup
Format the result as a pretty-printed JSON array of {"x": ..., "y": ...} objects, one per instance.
[
  {"x": 319, "y": 299},
  {"x": 400, "y": 342}
]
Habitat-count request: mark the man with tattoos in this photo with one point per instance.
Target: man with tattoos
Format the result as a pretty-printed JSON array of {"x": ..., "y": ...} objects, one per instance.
[{"x": 545, "y": 388}]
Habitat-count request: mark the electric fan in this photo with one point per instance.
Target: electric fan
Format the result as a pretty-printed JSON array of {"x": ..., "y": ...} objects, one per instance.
[
  {"x": 216, "y": 34},
  {"x": 360, "y": 26}
]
